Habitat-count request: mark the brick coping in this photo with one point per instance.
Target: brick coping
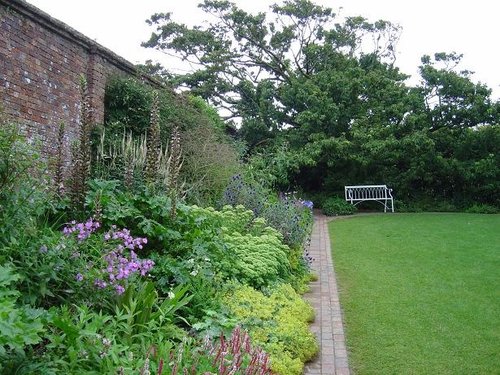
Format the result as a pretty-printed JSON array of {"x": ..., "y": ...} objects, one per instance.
[{"x": 323, "y": 296}]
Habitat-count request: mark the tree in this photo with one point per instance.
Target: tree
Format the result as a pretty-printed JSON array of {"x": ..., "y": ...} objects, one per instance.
[
  {"x": 320, "y": 106},
  {"x": 258, "y": 67},
  {"x": 452, "y": 99}
]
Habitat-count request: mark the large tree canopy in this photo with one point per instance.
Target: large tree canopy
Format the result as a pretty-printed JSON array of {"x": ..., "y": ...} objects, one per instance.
[
  {"x": 323, "y": 93},
  {"x": 259, "y": 67},
  {"x": 452, "y": 99}
]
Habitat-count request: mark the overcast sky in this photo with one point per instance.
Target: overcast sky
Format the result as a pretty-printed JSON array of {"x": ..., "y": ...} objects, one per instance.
[{"x": 468, "y": 27}]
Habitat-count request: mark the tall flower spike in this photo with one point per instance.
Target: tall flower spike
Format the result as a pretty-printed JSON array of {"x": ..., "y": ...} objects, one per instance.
[
  {"x": 174, "y": 167},
  {"x": 85, "y": 129},
  {"x": 81, "y": 153},
  {"x": 59, "y": 164},
  {"x": 153, "y": 142},
  {"x": 128, "y": 160}
]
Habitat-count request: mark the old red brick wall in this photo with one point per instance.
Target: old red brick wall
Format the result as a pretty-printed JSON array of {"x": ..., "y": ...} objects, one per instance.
[{"x": 41, "y": 61}]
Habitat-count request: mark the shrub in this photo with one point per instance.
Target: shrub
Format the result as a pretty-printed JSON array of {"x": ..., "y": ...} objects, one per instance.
[
  {"x": 240, "y": 192},
  {"x": 79, "y": 265},
  {"x": 80, "y": 340},
  {"x": 19, "y": 326},
  {"x": 278, "y": 323},
  {"x": 258, "y": 255},
  {"x": 259, "y": 260},
  {"x": 209, "y": 156},
  {"x": 337, "y": 206},
  {"x": 482, "y": 208},
  {"x": 24, "y": 189},
  {"x": 209, "y": 161},
  {"x": 292, "y": 218},
  {"x": 427, "y": 205}
]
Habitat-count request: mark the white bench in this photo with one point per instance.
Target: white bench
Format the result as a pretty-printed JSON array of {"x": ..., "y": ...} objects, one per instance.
[{"x": 378, "y": 193}]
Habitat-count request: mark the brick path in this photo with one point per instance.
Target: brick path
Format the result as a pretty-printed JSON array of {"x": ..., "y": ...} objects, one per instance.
[{"x": 328, "y": 328}]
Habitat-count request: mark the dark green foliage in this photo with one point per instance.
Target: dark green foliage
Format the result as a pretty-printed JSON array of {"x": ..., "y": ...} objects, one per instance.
[
  {"x": 335, "y": 206},
  {"x": 25, "y": 194},
  {"x": 200, "y": 146},
  {"x": 19, "y": 326},
  {"x": 482, "y": 209},
  {"x": 273, "y": 166},
  {"x": 330, "y": 111},
  {"x": 453, "y": 100},
  {"x": 289, "y": 45},
  {"x": 426, "y": 205},
  {"x": 128, "y": 104}
]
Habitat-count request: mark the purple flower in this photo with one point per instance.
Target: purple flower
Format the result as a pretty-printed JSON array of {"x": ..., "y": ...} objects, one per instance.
[
  {"x": 84, "y": 230},
  {"x": 43, "y": 249},
  {"x": 119, "y": 289},
  {"x": 79, "y": 277},
  {"x": 308, "y": 204},
  {"x": 121, "y": 262},
  {"x": 101, "y": 284}
]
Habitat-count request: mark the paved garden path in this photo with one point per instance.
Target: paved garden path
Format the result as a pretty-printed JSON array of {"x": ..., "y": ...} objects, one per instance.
[{"x": 328, "y": 327}]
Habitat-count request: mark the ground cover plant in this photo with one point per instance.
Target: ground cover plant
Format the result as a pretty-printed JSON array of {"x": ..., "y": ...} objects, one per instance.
[{"x": 420, "y": 292}]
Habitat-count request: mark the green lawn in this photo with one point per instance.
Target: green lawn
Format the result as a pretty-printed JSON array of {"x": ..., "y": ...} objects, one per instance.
[{"x": 420, "y": 292}]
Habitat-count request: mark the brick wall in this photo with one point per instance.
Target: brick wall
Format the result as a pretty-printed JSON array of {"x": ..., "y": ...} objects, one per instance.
[{"x": 41, "y": 61}]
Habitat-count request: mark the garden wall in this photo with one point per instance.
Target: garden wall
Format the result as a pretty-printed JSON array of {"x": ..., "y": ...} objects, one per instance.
[{"x": 41, "y": 61}]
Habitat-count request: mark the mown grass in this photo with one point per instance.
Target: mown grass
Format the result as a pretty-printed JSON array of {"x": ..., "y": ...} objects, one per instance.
[{"x": 420, "y": 292}]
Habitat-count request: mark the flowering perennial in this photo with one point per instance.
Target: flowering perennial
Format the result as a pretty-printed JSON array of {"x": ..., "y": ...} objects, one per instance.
[
  {"x": 236, "y": 356},
  {"x": 83, "y": 230},
  {"x": 121, "y": 265},
  {"x": 121, "y": 262},
  {"x": 308, "y": 204}
]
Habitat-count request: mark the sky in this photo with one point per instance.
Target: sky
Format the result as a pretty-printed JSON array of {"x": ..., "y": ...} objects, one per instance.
[{"x": 467, "y": 27}]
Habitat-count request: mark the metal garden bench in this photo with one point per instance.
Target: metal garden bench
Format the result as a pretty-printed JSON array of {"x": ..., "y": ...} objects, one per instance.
[{"x": 378, "y": 193}]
